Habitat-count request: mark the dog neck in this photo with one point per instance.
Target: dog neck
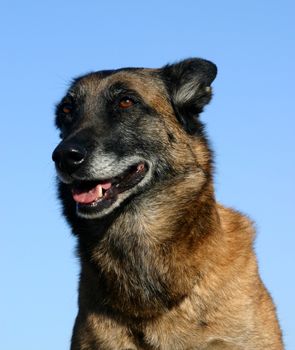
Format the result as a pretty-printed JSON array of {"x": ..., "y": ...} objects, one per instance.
[{"x": 149, "y": 258}]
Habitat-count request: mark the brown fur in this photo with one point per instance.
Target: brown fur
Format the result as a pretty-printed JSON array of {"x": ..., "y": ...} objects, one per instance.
[
  {"x": 181, "y": 237},
  {"x": 226, "y": 306}
]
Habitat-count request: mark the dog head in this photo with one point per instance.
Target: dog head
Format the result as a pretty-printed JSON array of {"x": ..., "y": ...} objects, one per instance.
[{"x": 124, "y": 131}]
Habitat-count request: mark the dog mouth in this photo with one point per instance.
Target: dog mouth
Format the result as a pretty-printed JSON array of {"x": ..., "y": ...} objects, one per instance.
[{"x": 94, "y": 196}]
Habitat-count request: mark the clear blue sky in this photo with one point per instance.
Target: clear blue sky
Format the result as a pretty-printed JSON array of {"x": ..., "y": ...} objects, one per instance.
[{"x": 250, "y": 121}]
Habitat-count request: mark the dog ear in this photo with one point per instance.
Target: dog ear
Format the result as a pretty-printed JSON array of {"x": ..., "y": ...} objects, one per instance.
[{"x": 189, "y": 86}]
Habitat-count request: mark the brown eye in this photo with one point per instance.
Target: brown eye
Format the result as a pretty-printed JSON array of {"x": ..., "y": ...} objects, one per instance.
[
  {"x": 65, "y": 114},
  {"x": 126, "y": 102},
  {"x": 67, "y": 109}
]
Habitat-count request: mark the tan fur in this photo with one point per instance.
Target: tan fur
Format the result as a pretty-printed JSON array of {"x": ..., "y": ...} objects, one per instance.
[{"x": 203, "y": 250}]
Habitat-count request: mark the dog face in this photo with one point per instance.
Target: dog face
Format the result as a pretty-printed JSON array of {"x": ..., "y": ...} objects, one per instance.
[{"x": 122, "y": 132}]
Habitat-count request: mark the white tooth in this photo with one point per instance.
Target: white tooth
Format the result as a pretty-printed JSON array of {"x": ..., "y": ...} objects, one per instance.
[{"x": 99, "y": 191}]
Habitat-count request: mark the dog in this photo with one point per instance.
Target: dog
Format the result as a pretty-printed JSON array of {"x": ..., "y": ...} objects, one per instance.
[{"x": 163, "y": 265}]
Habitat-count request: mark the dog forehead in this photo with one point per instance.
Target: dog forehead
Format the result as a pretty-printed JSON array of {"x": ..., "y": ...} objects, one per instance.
[{"x": 144, "y": 81}]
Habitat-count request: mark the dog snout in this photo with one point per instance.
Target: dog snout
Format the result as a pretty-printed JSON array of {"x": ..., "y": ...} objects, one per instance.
[{"x": 69, "y": 157}]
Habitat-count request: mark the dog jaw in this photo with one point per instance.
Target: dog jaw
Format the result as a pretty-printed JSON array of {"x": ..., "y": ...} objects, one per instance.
[{"x": 99, "y": 194}]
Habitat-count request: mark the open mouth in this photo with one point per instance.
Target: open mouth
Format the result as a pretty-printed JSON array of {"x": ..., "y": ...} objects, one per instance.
[{"x": 94, "y": 196}]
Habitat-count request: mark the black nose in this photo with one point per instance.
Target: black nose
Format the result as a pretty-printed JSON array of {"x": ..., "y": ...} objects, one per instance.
[{"x": 69, "y": 157}]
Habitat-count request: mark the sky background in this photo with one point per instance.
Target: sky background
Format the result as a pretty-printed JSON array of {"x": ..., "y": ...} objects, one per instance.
[{"x": 250, "y": 121}]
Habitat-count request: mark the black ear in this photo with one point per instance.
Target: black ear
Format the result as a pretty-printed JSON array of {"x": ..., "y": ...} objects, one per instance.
[{"x": 189, "y": 85}]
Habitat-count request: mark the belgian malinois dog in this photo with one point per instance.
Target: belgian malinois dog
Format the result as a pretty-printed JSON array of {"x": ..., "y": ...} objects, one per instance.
[{"x": 163, "y": 265}]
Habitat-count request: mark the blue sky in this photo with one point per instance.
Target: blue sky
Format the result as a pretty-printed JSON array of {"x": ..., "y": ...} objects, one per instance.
[{"x": 250, "y": 122}]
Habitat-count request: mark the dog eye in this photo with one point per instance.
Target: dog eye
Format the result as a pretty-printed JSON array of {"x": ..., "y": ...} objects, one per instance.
[
  {"x": 67, "y": 109},
  {"x": 126, "y": 102},
  {"x": 66, "y": 115}
]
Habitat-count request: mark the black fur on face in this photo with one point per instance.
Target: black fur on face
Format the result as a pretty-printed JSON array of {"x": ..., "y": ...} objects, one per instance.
[{"x": 113, "y": 131}]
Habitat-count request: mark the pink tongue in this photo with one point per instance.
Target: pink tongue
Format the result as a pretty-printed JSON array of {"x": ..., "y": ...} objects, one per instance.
[
  {"x": 90, "y": 196},
  {"x": 86, "y": 197}
]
